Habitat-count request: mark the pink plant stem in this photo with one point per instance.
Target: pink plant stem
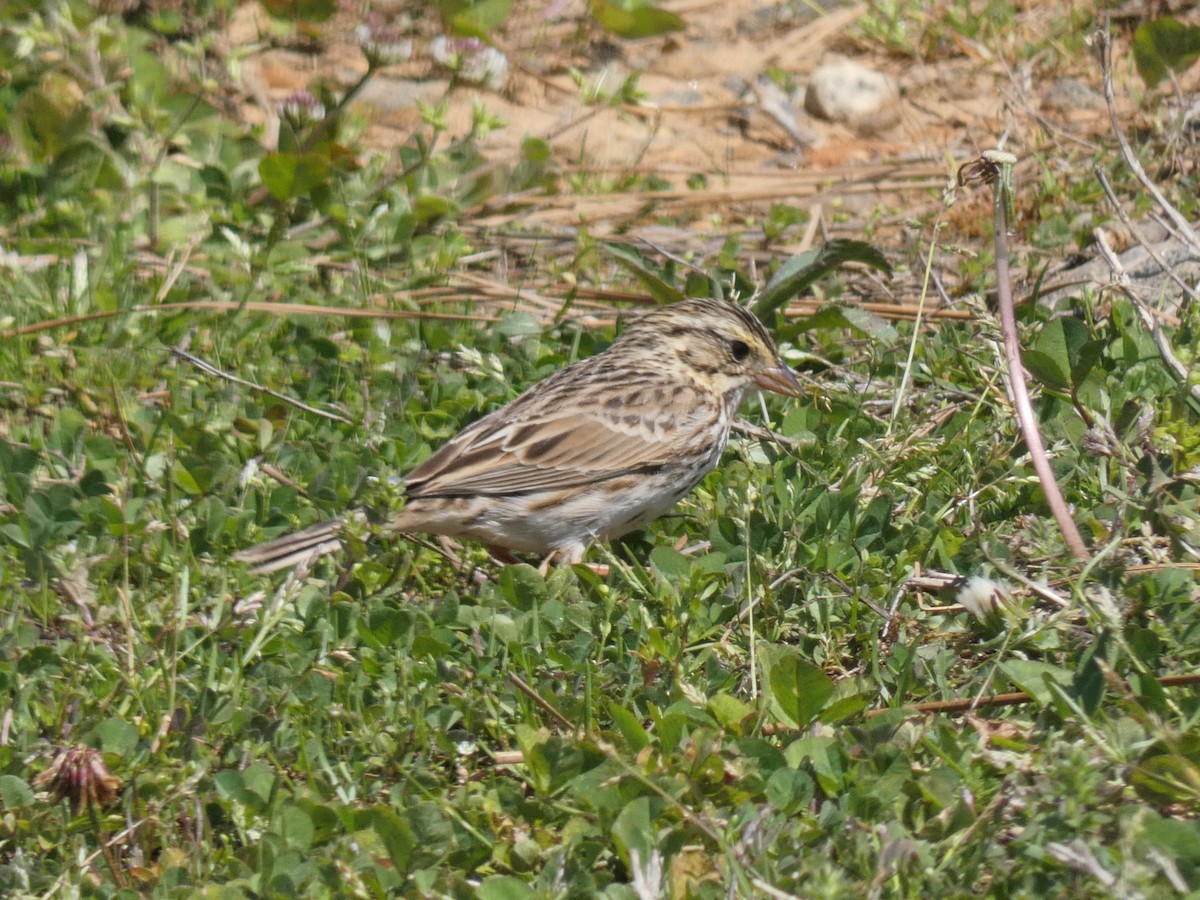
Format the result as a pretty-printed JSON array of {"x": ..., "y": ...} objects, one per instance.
[{"x": 1020, "y": 392}]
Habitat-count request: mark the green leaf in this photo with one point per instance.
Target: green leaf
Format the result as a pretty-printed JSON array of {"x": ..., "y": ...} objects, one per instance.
[
  {"x": 522, "y": 586},
  {"x": 290, "y": 175},
  {"x": 386, "y": 627},
  {"x": 789, "y": 789},
  {"x": 426, "y": 646},
  {"x": 1032, "y": 677},
  {"x": 260, "y": 780},
  {"x": 633, "y": 830},
  {"x": 15, "y": 534},
  {"x": 229, "y": 784},
  {"x": 1169, "y": 771},
  {"x": 396, "y": 836},
  {"x": 634, "y": 21},
  {"x": 1148, "y": 689},
  {"x": 1168, "y": 778},
  {"x": 678, "y": 720},
  {"x": 309, "y": 11},
  {"x": 827, "y": 763},
  {"x": 536, "y": 149},
  {"x": 475, "y": 19},
  {"x": 844, "y": 315},
  {"x": 1162, "y": 45},
  {"x": 295, "y": 827},
  {"x": 729, "y": 711},
  {"x": 430, "y": 207},
  {"x": 797, "y": 274},
  {"x": 14, "y": 792},
  {"x": 659, "y": 289},
  {"x": 116, "y": 736},
  {"x": 798, "y": 689},
  {"x": 672, "y": 565},
  {"x": 433, "y": 834},
  {"x": 1174, "y": 838},
  {"x": 503, "y": 887},
  {"x": 1046, "y": 369},
  {"x": 1063, "y": 355},
  {"x": 556, "y": 762},
  {"x": 185, "y": 480},
  {"x": 629, "y": 726},
  {"x": 324, "y": 818},
  {"x": 844, "y": 708},
  {"x": 1089, "y": 684}
]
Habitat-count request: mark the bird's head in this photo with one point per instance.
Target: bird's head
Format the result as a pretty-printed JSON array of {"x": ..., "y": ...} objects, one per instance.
[{"x": 718, "y": 343}]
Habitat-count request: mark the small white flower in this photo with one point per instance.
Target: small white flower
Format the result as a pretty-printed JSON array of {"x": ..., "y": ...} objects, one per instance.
[
  {"x": 302, "y": 106},
  {"x": 248, "y": 473},
  {"x": 981, "y": 597},
  {"x": 384, "y": 45},
  {"x": 442, "y": 53},
  {"x": 488, "y": 67},
  {"x": 474, "y": 62}
]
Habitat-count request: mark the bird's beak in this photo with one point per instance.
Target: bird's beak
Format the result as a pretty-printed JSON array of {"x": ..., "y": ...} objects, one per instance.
[{"x": 780, "y": 379}]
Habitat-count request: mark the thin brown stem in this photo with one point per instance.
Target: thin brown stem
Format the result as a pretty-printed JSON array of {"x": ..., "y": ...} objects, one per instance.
[
  {"x": 109, "y": 858},
  {"x": 541, "y": 701}
]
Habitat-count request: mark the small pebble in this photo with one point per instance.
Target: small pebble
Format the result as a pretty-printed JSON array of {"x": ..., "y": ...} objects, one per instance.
[{"x": 841, "y": 90}]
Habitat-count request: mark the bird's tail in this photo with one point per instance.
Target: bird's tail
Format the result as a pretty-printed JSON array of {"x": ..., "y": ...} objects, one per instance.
[{"x": 309, "y": 544}]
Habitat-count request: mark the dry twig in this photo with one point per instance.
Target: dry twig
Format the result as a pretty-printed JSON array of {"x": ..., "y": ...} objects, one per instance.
[{"x": 283, "y": 398}]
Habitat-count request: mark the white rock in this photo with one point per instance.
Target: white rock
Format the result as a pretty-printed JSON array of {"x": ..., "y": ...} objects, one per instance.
[{"x": 841, "y": 90}]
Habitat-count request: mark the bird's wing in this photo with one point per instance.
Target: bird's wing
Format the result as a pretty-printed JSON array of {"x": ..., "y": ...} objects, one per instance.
[{"x": 519, "y": 450}]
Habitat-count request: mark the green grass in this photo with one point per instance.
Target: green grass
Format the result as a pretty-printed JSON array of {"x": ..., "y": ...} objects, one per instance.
[{"x": 731, "y": 703}]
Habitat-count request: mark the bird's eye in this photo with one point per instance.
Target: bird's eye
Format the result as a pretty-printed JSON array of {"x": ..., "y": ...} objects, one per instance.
[{"x": 739, "y": 349}]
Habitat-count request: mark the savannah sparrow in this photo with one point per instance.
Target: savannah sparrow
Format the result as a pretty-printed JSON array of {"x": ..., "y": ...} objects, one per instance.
[{"x": 599, "y": 448}]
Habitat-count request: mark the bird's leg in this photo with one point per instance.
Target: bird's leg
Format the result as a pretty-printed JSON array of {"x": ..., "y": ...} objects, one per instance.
[
  {"x": 570, "y": 556},
  {"x": 448, "y": 548},
  {"x": 501, "y": 556}
]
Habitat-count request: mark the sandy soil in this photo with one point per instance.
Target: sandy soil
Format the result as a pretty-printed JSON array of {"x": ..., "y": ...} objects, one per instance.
[{"x": 700, "y": 118}]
